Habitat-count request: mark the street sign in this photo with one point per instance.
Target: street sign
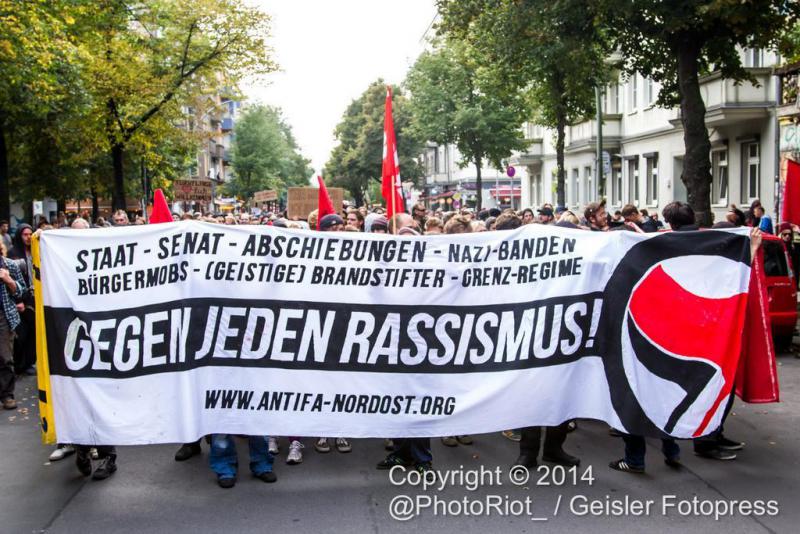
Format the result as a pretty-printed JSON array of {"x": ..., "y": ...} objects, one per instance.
[
  {"x": 194, "y": 190},
  {"x": 301, "y": 201},
  {"x": 606, "y": 162},
  {"x": 511, "y": 171}
]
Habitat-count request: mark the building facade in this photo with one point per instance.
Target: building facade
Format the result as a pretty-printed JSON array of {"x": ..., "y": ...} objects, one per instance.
[
  {"x": 448, "y": 186},
  {"x": 645, "y": 148}
]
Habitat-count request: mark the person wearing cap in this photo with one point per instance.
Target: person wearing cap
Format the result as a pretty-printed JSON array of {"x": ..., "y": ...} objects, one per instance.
[
  {"x": 331, "y": 223},
  {"x": 379, "y": 225},
  {"x": 546, "y": 215},
  {"x": 595, "y": 215}
]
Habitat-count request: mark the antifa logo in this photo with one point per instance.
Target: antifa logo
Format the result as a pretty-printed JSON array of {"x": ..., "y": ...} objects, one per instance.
[{"x": 663, "y": 307}]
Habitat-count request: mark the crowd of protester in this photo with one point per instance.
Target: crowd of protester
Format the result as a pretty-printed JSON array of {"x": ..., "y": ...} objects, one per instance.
[{"x": 17, "y": 332}]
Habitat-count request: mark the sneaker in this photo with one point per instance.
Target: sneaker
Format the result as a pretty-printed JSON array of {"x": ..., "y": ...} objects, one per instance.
[
  {"x": 93, "y": 454},
  {"x": 187, "y": 450},
  {"x": 717, "y": 454},
  {"x": 9, "y": 404},
  {"x": 513, "y": 435},
  {"x": 107, "y": 467},
  {"x": 61, "y": 452},
  {"x": 450, "y": 441},
  {"x": 273, "y": 446},
  {"x": 267, "y": 476},
  {"x": 572, "y": 426},
  {"x": 342, "y": 445},
  {"x": 226, "y": 483},
  {"x": 729, "y": 445},
  {"x": 622, "y": 465},
  {"x": 83, "y": 462},
  {"x": 464, "y": 440},
  {"x": 425, "y": 468},
  {"x": 674, "y": 463},
  {"x": 388, "y": 444},
  {"x": 322, "y": 445},
  {"x": 295, "y": 455},
  {"x": 391, "y": 461}
]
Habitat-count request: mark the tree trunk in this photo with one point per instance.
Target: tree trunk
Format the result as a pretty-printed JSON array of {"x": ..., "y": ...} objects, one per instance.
[
  {"x": 95, "y": 206},
  {"x": 697, "y": 160},
  {"x": 358, "y": 197},
  {"x": 118, "y": 201},
  {"x": 5, "y": 201},
  {"x": 561, "y": 127},
  {"x": 478, "y": 184}
]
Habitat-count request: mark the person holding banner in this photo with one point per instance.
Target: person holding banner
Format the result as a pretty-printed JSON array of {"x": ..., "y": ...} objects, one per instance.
[
  {"x": 224, "y": 460},
  {"x": 13, "y": 288}
]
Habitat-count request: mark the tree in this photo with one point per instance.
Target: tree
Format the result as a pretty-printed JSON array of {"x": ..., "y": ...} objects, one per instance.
[
  {"x": 674, "y": 42},
  {"x": 151, "y": 57},
  {"x": 265, "y": 154},
  {"x": 458, "y": 99},
  {"x": 554, "y": 49},
  {"x": 357, "y": 159},
  {"x": 38, "y": 76}
]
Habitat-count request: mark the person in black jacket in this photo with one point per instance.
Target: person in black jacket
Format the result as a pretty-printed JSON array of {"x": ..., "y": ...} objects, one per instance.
[{"x": 25, "y": 340}]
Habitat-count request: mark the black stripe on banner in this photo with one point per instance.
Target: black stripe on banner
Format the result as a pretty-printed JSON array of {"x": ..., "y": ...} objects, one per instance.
[{"x": 183, "y": 335}]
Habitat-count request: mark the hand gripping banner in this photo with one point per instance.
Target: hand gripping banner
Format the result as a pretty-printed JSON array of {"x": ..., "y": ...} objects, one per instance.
[{"x": 166, "y": 333}]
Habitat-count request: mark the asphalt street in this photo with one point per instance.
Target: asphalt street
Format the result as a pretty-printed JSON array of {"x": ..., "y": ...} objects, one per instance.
[{"x": 151, "y": 493}]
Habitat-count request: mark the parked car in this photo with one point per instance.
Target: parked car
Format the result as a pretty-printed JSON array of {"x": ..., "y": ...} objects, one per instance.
[{"x": 781, "y": 290}]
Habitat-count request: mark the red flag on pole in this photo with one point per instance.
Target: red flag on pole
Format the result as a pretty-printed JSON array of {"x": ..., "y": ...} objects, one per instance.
[
  {"x": 790, "y": 211},
  {"x": 325, "y": 206},
  {"x": 392, "y": 189},
  {"x": 161, "y": 213}
]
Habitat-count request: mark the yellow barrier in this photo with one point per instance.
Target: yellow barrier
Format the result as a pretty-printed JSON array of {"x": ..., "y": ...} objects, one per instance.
[{"x": 42, "y": 363}]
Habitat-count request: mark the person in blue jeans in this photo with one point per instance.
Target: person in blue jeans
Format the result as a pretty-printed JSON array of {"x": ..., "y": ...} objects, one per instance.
[
  {"x": 224, "y": 461},
  {"x": 635, "y": 448}
]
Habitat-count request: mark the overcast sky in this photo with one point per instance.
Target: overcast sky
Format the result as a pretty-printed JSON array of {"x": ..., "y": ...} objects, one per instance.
[{"x": 329, "y": 51}]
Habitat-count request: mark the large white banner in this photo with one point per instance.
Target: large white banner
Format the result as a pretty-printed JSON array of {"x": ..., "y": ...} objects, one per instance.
[{"x": 168, "y": 332}]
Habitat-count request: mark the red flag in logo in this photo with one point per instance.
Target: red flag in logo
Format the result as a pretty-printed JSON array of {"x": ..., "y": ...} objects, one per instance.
[
  {"x": 324, "y": 203},
  {"x": 791, "y": 193},
  {"x": 392, "y": 189}
]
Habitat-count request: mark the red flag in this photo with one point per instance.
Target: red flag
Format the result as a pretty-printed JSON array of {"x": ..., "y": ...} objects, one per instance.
[
  {"x": 757, "y": 375},
  {"x": 392, "y": 189},
  {"x": 161, "y": 213},
  {"x": 791, "y": 194},
  {"x": 324, "y": 203}
]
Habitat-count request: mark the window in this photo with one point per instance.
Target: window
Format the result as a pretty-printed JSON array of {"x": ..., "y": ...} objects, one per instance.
[
  {"x": 751, "y": 170},
  {"x": 634, "y": 92},
  {"x": 649, "y": 92},
  {"x": 588, "y": 193},
  {"x": 719, "y": 182},
  {"x": 633, "y": 181},
  {"x": 573, "y": 187},
  {"x": 611, "y": 100},
  {"x": 616, "y": 186},
  {"x": 652, "y": 180},
  {"x": 753, "y": 58}
]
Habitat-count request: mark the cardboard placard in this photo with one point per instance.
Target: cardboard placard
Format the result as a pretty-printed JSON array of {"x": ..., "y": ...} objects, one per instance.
[
  {"x": 303, "y": 200},
  {"x": 194, "y": 190}
]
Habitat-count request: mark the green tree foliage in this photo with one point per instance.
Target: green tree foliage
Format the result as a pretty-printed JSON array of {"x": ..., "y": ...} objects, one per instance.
[
  {"x": 458, "y": 98},
  {"x": 357, "y": 159},
  {"x": 674, "y": 42},
  {"x": 554, "y": 49},
  {"x": 265, "y": 154}
]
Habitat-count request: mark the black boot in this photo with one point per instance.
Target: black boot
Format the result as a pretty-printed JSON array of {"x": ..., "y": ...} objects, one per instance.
[
  {"x": 554, "y": 439},
  {"x": 188, "y": 450}
]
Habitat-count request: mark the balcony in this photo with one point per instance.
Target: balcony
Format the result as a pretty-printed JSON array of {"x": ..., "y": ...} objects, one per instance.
[
  {"x": 728, "y": 103},
  {"x": 789, "y": 80},
  {"x": 531, "y": 155},
  {"x": 583, "y": 136}
]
